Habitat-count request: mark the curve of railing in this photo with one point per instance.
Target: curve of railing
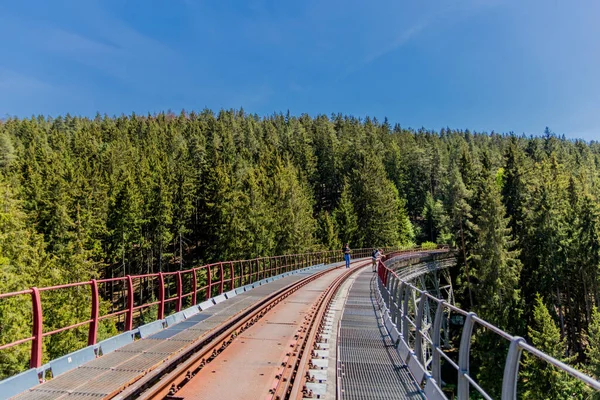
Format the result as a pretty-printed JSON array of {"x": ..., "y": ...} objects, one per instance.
[
  {"x": 166, "y": 291},
  {"x": 413, "y": 337}
]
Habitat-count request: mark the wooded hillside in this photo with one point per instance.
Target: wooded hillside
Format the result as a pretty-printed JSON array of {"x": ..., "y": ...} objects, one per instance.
[{"x": 83, "y": 198}]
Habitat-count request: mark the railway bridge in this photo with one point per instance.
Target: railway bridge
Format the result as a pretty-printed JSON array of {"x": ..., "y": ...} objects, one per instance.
[{"x": 289, "y": 327}]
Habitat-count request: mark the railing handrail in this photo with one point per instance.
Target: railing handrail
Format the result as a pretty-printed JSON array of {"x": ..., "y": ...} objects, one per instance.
[
  {"x": 218, "y": 277},
  {"x": 517, "y": 344}
]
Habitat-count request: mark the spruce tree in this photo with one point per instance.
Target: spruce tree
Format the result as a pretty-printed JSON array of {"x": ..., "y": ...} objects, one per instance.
[
  {"x": 540, "y": 379},
  {"x": 346, "y": 221},
  {"x": 326, "y": 231},
  {"x": 495, "y": 263},
  {"x": 592, "y": 351}
]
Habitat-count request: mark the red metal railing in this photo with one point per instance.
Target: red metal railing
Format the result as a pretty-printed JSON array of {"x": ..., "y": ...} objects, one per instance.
[{"x": 190, "y": 285}]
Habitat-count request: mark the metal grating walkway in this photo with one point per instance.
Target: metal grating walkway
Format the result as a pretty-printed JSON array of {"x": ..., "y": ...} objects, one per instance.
[{"x": 369, "y": 366}]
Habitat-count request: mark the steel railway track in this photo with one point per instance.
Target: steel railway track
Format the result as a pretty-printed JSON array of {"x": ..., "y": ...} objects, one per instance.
[{"x": 164, "y": 382}]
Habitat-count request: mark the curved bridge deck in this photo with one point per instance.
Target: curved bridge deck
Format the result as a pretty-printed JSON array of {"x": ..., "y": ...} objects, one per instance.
[
  {"x": 366, "y": 363},
  {"x": 369, "y": 365},
  {"x": 105, "y": 376}
]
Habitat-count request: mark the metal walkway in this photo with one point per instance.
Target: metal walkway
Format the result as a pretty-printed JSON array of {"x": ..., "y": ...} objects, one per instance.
[
  {"x": 368, "y": 364},
  {"x": 110, "y": 373}
]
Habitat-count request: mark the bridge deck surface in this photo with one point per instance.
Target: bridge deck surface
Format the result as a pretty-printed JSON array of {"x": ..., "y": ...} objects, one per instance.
[
  {"x": 370, "y": 367},
  {"x": 114, "y": 371}
]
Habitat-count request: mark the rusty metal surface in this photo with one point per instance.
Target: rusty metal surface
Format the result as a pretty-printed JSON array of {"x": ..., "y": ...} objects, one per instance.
[
  {"x": 247, "y": 367},
  {"x": 103, "y": 376}
]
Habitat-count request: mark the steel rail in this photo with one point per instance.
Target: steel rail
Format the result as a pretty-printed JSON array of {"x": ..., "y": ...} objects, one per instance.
[
  {"x": 298, "y": 389},
  {"x": 290, "y": 381},
  {"x": 167, "y": 379}
]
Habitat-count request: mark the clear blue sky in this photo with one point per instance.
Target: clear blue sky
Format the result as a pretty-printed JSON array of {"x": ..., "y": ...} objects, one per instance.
[{"x": 480, "y": 64}]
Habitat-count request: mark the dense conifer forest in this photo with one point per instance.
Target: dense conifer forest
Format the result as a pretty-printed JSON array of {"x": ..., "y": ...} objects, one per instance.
[{"x": 83, "y": 198}]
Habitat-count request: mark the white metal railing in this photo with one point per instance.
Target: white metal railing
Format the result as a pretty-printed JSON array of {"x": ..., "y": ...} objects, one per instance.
[{"x": 415, "y": 338}]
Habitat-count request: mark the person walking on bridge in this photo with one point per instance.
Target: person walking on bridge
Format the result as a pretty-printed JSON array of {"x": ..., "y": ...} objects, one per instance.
[
  {"x": 376, "y": 256},
  {"x": 347, "y": 251}
]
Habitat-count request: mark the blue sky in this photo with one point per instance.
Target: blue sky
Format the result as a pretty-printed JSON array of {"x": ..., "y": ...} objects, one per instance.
[{"x": 479, "y": 64}]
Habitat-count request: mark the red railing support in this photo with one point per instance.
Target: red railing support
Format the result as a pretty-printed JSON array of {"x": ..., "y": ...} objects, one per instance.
[
  {"x": 179, "y": 292},
  {"x": 38, "y": 329},
  {"x": 161, "y": 296},
  {"x": 194, "y": 286},
  {"x": 232, "y": 275},
  {"x": 93, "y": 331},
  {"x": 129, "y": 315},
  {"x": 208, "y": 282},
  {"x": 222, "y": 278}
]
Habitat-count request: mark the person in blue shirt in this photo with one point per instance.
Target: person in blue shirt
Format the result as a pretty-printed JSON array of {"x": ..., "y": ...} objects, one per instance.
[
  {"x": 376, "y": 256},
  {"x": 347, "y": 251}
]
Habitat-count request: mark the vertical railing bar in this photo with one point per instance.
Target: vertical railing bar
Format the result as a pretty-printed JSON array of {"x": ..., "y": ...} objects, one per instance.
[
  {"x": 38, "y": 328},
  {"x": 436, "y": 366},
  {"x": 419, "y": 325},
  {"x": 161, "y": 296},
  {"x": 129, "y": 321},
  {"x": 208, "y": 282},
  {"x": 222, "y": 278},
  {"x": 463, "y": 357},
  {"x": 511, "y": 369},
  {"x": 405, "y": 325},
  {"x": 93, "y": 329},
  {"x": 194, "y": 287},
  {"x": 179, "y": 292}
]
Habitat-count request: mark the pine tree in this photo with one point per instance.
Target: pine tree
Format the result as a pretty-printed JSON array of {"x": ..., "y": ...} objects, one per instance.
[
  {"x": 382, "y": 217},
  {"x": 495, "y": 264},
  {"x": 435, "y": 220},
  {"x": 514, "y": 190},
  {"x": 540, "y": 379},
  {"x": 460, "y": 212},
  {"x": 592, "y": 351},
  {"x": 293, "y": 206},
  {"x": 326, "y": 232},
  {"x": 23, "y": 263},
  {"x": 346, "y": 221}
]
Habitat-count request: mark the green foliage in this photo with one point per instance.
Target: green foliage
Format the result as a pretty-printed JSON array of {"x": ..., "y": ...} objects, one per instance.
[
  {"x": 495, "y": 265},
  {"x": 326, "y": 232},
  {"x": 428, "y": 246},
  {"x": 540, "y": 379},
  {"x": 593, "y": 346},
  {"x": 111, "y": 196},
  {"x": 346, "y": 220},
  {"x": 435, "y": 220}
]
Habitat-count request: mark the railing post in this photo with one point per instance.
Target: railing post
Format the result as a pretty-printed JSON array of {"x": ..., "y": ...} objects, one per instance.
[
  {"x": 129, "y": 315},
  {"x": 208, "y": 282},
  {"x": 232, "y": 275},
  {"x": 419, "y": 325},
  {"x": 405, "y": 323},
  {"x": 93, "y": 330},
  {"x": 179, "y": 292},
  {"x": 463, "y": 357},
  {"x": 38, "y": 329},
  {"x": 194, "y": 287},
  {"x": 161, "y": 296},
  {"x": 511, "y": 369},
  {"x": 436, "y": 366},
  {"x": 222, "y": 278},
  {"x": 394, "y": 302}
]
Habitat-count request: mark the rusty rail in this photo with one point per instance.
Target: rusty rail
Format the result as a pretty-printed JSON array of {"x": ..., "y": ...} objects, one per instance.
[
  {"x": 203, "y": 282},
  {"x": 166, "y": 380}
]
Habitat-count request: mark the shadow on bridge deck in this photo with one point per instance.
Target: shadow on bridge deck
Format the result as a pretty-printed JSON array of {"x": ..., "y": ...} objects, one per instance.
[
  {"x": 107, "y": 375},
  {"x": 369, "y": 365}
]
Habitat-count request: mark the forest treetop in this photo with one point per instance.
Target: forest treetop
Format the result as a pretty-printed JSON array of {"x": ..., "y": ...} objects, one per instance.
[{"x": 111, "y": 196}]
